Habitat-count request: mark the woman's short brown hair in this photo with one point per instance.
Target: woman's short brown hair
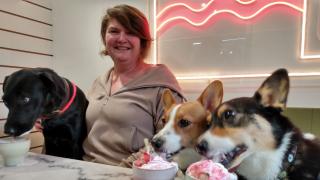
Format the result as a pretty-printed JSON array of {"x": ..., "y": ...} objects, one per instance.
[{"x": 133, "y": 20}]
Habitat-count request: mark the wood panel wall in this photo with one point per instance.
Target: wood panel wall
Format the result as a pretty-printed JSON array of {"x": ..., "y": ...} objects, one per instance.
[
  {"x": 307, "y": 119},
  {"x": 25, "y": 41}
]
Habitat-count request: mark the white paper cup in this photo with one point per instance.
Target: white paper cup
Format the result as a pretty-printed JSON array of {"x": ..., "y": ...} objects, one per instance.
[
  {"x": 151, "y": 174},
  {"x": 14, "y": 150}
]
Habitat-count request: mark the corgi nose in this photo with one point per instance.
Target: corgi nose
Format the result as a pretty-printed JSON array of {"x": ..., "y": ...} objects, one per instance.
[
  {"x": 157, "y": 143},
  {"x": 202, "y": 147}
]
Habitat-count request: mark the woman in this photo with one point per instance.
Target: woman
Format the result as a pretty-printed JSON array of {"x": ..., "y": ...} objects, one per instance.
[{"x": 125, "y": 103}]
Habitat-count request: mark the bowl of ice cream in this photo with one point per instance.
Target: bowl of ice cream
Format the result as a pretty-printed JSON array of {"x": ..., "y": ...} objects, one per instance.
[
  {"x": 13, "y": 150},
  {"x": 153, "y": 167},
  {"x": 209, "y": 170}
]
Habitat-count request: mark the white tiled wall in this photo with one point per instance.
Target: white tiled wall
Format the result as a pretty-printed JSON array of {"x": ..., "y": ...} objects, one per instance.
[{"x": 26, "y": 41}]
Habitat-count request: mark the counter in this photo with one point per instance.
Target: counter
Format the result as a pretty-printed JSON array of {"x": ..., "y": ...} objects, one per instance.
[{"x": 44, "y": 167}]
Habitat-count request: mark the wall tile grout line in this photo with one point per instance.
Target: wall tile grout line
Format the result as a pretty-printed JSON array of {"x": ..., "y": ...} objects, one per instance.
[
  {"x": 25, "y": 17},
  {"x": 25, "y": 51},
  {"x": 38, "y": 5},
  {"x": 36, "y": 147},
  {"x": 15, "y": 32},
  {"x": 16, "y": 67},
  {"x": 32, "y": 132}
]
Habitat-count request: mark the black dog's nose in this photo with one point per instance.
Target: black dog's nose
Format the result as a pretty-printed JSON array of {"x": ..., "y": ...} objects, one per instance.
[
  {"x": 202, "y": 147},
  {"x": 157, "y": 143},
  {"x": 10, "y": 131}
]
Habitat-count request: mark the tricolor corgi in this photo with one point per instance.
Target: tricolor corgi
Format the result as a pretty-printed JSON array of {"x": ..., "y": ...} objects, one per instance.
[{"x": 251, "y": 136}]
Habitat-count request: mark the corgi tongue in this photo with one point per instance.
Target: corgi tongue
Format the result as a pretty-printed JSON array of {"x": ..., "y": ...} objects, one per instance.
[
  {"x": 224, "y": 159},
  {"x": 227, "y": 158}
]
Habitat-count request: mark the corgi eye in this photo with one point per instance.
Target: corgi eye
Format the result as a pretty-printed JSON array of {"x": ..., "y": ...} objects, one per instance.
[
  {"x": 229, "y": 115},
  {"x": 183, "y": 123},
  {"x": 163, "y": 120}
]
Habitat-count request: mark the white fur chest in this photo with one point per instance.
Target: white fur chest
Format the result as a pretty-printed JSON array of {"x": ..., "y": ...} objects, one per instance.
[
  {"x": 264, "y": 165},
  {"x": 260, "y": 166}
]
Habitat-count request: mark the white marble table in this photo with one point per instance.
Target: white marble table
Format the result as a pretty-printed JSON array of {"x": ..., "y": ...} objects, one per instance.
[{"x": 44, "y": 167}]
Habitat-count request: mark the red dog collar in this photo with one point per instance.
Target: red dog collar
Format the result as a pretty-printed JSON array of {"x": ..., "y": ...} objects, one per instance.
[
  {"x": 74, "y": 88},
  {"x": 66, "y": 105}
]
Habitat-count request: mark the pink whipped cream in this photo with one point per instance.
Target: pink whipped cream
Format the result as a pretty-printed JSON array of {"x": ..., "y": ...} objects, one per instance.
[
  {"x": 157, "y": 163},
  {"x": 214, "y": 171}
]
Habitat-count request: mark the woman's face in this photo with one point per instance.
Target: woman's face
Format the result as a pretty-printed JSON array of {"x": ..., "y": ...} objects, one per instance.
[{"x": 121, "y": 44}]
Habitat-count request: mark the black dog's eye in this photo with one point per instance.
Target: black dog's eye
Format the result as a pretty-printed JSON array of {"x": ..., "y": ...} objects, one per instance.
[
  {"x": 26, "y": 100},
  {"x": 183, "y": 123},
  {"x": 229, "y": 115},
  {"x": 5, "y": 103}
]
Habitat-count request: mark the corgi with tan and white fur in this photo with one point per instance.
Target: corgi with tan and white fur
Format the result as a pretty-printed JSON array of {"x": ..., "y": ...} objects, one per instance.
[{"x": 185, "y": 122}]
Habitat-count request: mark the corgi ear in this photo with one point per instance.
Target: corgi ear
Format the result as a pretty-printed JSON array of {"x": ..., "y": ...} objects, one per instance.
[
  {"x": 167, "y": 99},
  {"x": 212, "y": 96},
  {"x": 274, "y": 90}
]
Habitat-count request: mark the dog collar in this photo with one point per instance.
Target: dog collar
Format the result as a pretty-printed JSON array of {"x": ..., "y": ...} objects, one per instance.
[
  {"x": 287, "y": 162},
  {"x": 74, "y": 93},
  {"x": 65, "y": 105}
]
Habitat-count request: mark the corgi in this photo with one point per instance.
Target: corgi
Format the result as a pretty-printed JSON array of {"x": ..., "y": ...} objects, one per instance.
[
  {"x": 251, "y": 136},
  {"x": 185, "y": 122}
]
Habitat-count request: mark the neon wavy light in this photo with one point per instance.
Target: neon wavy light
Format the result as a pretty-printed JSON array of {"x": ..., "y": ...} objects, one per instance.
[
  {"x": 210, "y": 77},
  {"x": 205, "y": 6},
  {"x": 245, "y": 2},
  {"x": 184, "y": 5},
  {"x": 303, "y": 54},
  {"x": 229, "y": 12}
]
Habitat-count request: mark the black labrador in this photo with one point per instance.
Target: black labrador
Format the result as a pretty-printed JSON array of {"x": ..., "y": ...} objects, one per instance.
[{"x": 34, "y": 93}]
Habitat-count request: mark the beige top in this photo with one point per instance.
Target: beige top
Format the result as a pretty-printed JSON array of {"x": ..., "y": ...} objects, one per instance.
[{"x": 118, "y": 123}]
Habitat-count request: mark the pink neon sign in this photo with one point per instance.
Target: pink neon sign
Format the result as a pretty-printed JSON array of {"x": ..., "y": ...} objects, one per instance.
[{"x": 198, "y": 15}]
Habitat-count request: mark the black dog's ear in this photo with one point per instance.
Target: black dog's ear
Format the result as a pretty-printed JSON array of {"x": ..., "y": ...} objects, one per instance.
[
  {"x": 274, "y": 90},
  {"x": 45, "y": 74},
  {"x": 5, "y": 83},
  {"x": 51, "y": 80}
]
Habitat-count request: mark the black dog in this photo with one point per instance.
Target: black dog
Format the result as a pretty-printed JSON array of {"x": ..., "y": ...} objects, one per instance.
[
  {"x": 34, "y": 93},
  {"x": 251, "y": 136}
]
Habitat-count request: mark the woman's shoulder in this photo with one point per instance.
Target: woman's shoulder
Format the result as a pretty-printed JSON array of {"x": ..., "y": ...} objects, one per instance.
[
  {"x": 101, "y": 81},
  {"x": 103, "y": 78},
  {"x": 160, "y": 68},
  {"x": 158, "y": 72},
  {"x": 159, "y": 75}
]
